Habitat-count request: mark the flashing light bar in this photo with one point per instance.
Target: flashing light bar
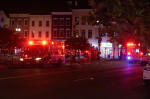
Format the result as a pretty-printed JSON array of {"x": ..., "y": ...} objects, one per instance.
[
  {"x": 128, "y": 57},
  {"x": 52, "y": 42},
  {"x": 63, "y": 47},
  {"x": 141, "y": 53},
  {"x": 128, "y": 53},
  {"x": 44, "y": 42},
  {"x": 30, "y": 42},
  {"x": 38, "y": 58},
  {"x": 130, "y": 44}
]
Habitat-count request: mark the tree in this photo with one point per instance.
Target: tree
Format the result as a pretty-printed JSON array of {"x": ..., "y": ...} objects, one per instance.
[
  {"x": 128, "y": 12},
  {"x": 131, "y": 18},
  {"x": 8, "y": 39},
  {"x": 77, "y": 43}
]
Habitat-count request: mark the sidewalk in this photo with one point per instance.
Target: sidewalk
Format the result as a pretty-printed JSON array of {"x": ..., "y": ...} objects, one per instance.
[{"x": 96, "y": 63}]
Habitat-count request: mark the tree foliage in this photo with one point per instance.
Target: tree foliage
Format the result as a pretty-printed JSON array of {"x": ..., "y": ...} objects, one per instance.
[
  {"x": 77, "y": 43},
  {"x": 131, "y": 18},
  {"x": 8, "y": 38}
]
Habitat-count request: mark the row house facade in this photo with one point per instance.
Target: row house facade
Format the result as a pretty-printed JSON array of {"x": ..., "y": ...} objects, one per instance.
[
  {"x": 61, "y": 25},
  {"x": 81, "y": 27},
  {"x": 40, "y": 27},
  {"x": 20, "y": 24},
  {"x": 4, "y": 20}
]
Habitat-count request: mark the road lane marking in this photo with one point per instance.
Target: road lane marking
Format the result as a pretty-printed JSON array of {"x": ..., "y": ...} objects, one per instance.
[
  {"x": 16, "y": 77},
  {"x": 84, "y": 79}
]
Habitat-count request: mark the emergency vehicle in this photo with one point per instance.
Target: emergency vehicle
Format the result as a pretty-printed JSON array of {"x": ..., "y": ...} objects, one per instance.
[
  {"x": 133, "y": 52},
  {"x": 43, "y": 53}
]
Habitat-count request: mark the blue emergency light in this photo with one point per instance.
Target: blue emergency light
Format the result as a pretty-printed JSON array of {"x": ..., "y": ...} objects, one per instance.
[{"x": 128, "y": 57}]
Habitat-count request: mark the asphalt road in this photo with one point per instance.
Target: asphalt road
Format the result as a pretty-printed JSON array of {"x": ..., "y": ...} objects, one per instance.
[{"x": 111, "y": 81}]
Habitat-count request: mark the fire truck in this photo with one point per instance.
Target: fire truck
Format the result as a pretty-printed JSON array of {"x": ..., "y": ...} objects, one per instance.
[
  {"x": 133, "y": 52},
  {"x": 43, "y": 53}
]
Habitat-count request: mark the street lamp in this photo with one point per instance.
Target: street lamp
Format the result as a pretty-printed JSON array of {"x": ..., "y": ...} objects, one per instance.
[
  {"x": 99, "y": 37},
  {"x": 18, "y": 29}
]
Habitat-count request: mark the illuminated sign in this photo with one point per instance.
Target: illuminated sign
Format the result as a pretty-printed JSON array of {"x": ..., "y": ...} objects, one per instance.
[
  {"x": 106, "y": 44},
  {"x": 138, "y": 50}
]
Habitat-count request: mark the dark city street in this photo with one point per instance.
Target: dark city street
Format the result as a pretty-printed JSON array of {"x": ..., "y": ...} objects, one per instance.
[
  {"x": 120, "y": 81},
  {"x": 75, "y": 49}
]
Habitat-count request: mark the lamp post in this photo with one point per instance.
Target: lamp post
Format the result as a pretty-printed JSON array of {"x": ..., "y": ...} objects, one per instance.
[{"x": 99, "y": 38}]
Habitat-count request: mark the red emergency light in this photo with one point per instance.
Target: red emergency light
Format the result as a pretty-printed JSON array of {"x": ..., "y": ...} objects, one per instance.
[
  {"x": 30, "y": 42},
  {"x": 130, "y": 44},
  {"x": 139, "y": 44},
  {"x": 63, "y": 47},
  {"x": 52, "y": 42},
  {"x": 86, "y": 51},
  {"x": 141, "y": 53},
  {"x": 128, "y": 53},
  {"x": 44, "y": 42}
]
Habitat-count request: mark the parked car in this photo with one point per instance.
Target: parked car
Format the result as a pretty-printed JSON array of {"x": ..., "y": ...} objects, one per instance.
[
  {"x": 146, "y": 74},
  {"x": 82, "y": 59},
  {"x": 144, "y": 60}
]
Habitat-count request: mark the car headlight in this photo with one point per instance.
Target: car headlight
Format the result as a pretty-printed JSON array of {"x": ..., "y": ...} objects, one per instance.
[
  {"x": 21, "y": 59},
  {"x": 38, "y": 58}
]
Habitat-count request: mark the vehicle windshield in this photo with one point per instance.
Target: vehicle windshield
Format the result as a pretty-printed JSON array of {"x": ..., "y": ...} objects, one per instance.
[{"x": 35, "y": 50}]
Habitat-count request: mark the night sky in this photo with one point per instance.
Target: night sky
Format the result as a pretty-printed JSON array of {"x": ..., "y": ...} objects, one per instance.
[{"x": 36, "y": 6}]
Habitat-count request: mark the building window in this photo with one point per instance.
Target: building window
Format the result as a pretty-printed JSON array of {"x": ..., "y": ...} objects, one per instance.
[
  {"x": 25, "y": 33},
  {"x": 68, "y": 33},
  {"x": 2, "y": 19},
  {"x": 76, "y": 20},
  {"x": 55, "y": 33},
  {"x": 55, "y": 22},
  {"x": 104, "y": 35},
  {"x": 13, "y": 22},
  {"x": 32, "y": 34},
  {"x": 40, "y": 23},
  {"x": 75, "y": 32},
  {"x": 70, "y": 3},
  {"x": 68, "y": 22},
  {"x": 61, "y": 21},
  {"x": 76, "y": 3},
  {"x": 83, "y": 33},
  {"x": 90, "y": 20},
  {"x": 61, "y": 33},
  {"x": 47, "y": 23},
  {"x": 40, "y": 34},
  {"x": 25, "y": 22},
  {"x": 33, "y": 23},
  {"x": 19, "y": 21},
  {"x": 47, "y": 34},
  {"x": 89, "y": 33},
  {"x": 83, "y": 22}
]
